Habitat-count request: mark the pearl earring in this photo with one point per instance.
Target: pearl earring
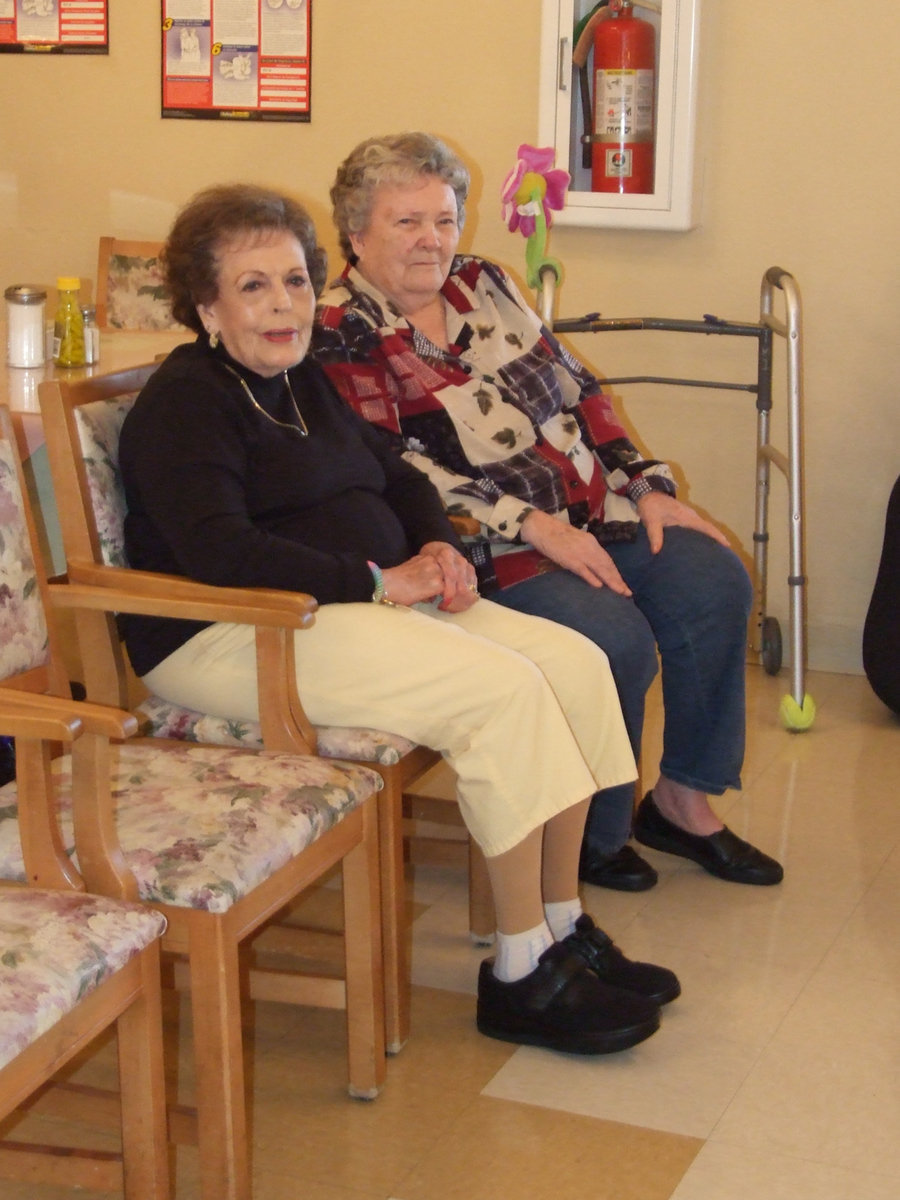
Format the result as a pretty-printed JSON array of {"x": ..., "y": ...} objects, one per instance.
[{"x": 213, "y": 339}]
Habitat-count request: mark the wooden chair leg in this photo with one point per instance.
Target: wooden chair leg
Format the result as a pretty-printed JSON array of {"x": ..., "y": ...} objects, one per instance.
[
  {"x": 142, "y": 1089},
  {"x": 396, "y": 930},
  {"x": 219, "y": 1059},
  {"x": 394, "y": 924},
  {"x": 364, "y": 959}
]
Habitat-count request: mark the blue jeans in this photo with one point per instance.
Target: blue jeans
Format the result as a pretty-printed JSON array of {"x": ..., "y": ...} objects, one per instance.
[{"x": 692, "y": 602}]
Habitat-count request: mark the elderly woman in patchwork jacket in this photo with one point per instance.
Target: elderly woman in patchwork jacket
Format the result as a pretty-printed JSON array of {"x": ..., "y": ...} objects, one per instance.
[{"x": 440, "y": 350}]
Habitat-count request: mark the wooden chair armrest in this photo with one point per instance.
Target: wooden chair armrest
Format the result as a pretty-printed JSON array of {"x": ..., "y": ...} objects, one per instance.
[
  {"x": 465, "y": 526},
  {"x": 20, "y": 720},
  {"x": 119, "y": 589},
  {"x": 24, "y": 714}
]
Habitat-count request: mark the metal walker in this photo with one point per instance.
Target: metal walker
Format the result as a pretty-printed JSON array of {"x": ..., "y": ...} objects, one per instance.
[{"x": 797, "y": 708}]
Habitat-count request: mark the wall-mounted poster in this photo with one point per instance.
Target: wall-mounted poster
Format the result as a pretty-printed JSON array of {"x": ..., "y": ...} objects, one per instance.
[
  {"x": 238, "y": 59},
  {"x": 54, "y": 26}
]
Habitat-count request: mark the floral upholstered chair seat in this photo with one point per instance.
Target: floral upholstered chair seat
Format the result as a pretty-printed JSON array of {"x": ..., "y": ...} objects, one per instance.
[
  {"x": 201, "y": 826},
  {"x": 57, "y": 947},
  {"x": 99, "y": 426}
]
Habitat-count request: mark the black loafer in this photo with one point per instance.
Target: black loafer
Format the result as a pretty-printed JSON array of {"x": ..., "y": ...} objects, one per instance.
[
  {"x": 723, "y": 854},
  {"x": 562, "y": 1005},
  {"x": 623, "y": 871},
  {"x": 609, "y": 964}
]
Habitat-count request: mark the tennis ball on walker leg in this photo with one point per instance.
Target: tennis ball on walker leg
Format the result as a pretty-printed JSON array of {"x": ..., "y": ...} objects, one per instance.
[{"x": 794, "y": 716}]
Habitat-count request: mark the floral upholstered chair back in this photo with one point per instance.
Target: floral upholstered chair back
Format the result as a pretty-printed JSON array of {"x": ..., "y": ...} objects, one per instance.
[
  {"x": 130, "y": 289},
  {"x": 23, "y": 630},
  {"x": 99, "y": 426}
]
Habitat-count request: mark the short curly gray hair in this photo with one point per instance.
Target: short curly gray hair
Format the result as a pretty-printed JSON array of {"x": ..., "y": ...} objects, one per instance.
[{"x": 397, "y": 158}]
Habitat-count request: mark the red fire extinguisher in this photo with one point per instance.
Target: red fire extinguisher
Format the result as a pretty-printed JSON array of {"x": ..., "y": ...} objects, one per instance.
[{"x": 624, "y": 65}]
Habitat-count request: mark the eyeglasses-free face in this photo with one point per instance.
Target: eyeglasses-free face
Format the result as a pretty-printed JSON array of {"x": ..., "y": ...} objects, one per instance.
[
  {"x": 408, "y": 247},
  {"x": 264, "y": 311}
]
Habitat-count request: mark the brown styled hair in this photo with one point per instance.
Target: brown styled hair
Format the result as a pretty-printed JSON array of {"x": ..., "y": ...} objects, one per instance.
[{"x": 190, "y": 254}]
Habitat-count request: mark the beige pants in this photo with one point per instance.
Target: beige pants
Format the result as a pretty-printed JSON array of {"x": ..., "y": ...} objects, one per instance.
[{"x": 523, "y": 709}]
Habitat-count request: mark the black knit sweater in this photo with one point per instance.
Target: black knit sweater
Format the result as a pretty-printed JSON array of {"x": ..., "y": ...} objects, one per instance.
[{"x": 226, "y": 489}]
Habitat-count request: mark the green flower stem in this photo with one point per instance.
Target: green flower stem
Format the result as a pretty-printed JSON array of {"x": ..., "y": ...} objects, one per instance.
[{"x": 536, "y": 261}]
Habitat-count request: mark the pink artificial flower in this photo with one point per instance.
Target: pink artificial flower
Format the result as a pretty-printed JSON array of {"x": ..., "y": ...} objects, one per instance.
[{"x": 533, "y": 173}]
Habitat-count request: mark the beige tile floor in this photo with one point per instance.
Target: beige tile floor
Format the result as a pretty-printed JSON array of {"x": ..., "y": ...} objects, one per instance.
[{"x": 775, "y": 1075}]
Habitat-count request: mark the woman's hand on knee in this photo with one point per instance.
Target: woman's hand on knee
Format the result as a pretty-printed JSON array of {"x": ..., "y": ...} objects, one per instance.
[
  {"x": 657, "y": 509},
  {"x": 575, "y": 549}
]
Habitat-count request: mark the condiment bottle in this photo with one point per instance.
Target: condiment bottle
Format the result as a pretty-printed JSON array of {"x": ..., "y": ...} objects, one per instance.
[
  {"x": 25, "y": 325},
  {"x": 91, "y": 334},
  {"x": 68, "y": 331}
]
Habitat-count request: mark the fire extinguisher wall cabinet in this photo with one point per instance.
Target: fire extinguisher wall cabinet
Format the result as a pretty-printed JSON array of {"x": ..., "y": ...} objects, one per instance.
[{"x": 625, "y": 125}]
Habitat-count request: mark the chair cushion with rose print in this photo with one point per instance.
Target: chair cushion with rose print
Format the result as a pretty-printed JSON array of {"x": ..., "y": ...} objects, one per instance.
[
  {"x": 201, "y": 826},
  {"x": 23, "y": 628},
  {"x": 57, "y": 947}
]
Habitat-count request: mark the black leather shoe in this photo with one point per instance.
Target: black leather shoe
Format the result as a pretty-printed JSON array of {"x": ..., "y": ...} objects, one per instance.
[
  {"x": 623, "y": 871},
  {"x": 609, "y": 964},
  {"x": 723, "y": 854},
  {"x": 562, "y": 1005}
]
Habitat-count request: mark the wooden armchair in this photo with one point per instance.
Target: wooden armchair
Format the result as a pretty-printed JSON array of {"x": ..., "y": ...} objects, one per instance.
[
  {"x": 82, "y": 420},
  {"x": 130, "y": 293},
  {"x": 216, "y": 839},
  {"x": 72, "y": 965}
]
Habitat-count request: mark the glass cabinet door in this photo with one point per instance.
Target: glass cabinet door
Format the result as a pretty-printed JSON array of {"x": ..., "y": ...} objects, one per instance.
[{"x": 569, "y": 106}]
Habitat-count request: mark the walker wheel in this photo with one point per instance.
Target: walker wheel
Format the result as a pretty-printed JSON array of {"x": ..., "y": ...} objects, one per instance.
[{"x": 771, "y": 652}]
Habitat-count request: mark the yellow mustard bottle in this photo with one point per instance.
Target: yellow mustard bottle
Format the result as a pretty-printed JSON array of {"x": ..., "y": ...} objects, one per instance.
[{"x": 68, "y": 328}]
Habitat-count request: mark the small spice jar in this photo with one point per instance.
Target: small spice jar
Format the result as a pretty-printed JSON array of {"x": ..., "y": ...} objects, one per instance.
[{"x": 25, "y": 325}]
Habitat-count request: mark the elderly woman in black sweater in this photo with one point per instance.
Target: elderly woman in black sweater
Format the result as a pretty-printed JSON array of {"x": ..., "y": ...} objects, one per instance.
[{"x": 243, "y": 467}]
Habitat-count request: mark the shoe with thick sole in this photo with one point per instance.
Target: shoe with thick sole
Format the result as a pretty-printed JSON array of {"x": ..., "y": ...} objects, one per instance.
[
  {"x": 723, "y": 854},
  {"x": 609, "y": 964},
  {"x": 622, "y": 871},
  {"x": 562, "y": 1005}
]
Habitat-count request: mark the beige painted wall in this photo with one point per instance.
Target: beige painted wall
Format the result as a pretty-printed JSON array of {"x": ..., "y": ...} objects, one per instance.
[{"x": 800, "y": 115}]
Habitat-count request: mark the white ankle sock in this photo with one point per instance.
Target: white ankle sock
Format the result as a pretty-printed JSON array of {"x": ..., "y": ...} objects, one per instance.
[
  {"x": 561, "y": 917},
  {"x": 518, "y": 953}
]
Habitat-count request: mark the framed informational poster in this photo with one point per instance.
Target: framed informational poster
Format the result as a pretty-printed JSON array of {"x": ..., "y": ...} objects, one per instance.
[
  {"x": 54, "y": 26},
  {"x": 246, "y": 60}
]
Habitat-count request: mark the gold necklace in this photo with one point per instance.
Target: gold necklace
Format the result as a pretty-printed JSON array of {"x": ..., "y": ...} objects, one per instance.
[{"x": 303, "y": 430}]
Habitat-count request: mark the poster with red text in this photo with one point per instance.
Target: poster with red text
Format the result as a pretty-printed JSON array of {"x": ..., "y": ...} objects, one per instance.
[
  {"x": 244, "y": 60},
  {"x": 54, "y": 26}
]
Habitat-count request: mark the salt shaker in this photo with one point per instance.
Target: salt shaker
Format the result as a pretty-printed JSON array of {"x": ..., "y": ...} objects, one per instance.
[
  {"x": 25, "y": 325},
  {"x": 91, "y": 334}
]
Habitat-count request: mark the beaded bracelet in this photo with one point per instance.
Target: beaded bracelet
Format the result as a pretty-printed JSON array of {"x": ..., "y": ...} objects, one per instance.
[{"x": 378, "y": 594}]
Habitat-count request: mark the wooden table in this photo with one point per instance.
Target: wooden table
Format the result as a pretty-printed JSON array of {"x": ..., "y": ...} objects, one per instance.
[{"x": 119, "y": 349}]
